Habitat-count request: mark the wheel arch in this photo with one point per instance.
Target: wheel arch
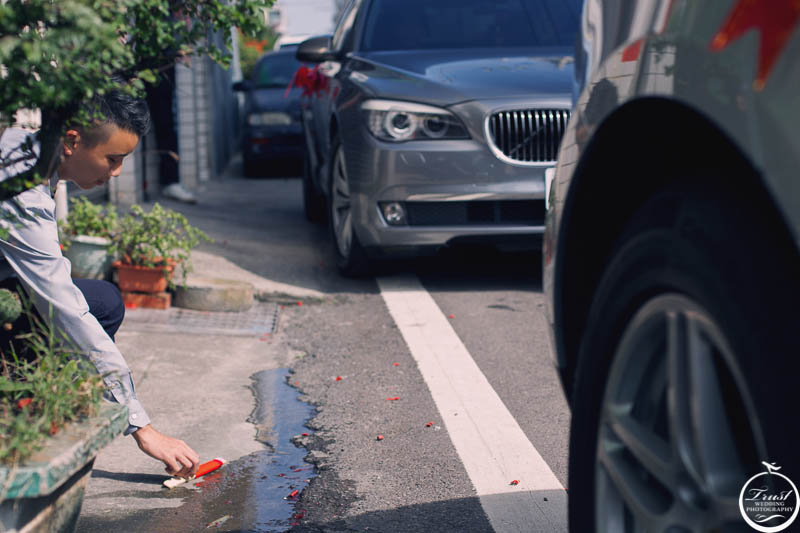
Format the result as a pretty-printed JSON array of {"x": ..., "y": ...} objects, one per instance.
[{"x": 595, "y": 213}]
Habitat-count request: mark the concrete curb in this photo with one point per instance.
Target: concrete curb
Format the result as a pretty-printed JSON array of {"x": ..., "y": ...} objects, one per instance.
[
  {"x": 208, "y": 265},
  {"x": 214, "y": 294}
]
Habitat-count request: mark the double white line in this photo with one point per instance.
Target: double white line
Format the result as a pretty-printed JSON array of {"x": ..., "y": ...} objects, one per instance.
[{"x": 490, "y": 443}]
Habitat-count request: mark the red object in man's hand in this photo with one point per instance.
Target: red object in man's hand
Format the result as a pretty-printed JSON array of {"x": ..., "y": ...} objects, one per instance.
[{"x": 209, "y": 467}]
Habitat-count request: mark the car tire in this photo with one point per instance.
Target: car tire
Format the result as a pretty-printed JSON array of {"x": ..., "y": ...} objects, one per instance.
[
  {"x": 678, "y": 353},
  {"x": 350, "y": 257},
  {"x": 314, "y": 205}
]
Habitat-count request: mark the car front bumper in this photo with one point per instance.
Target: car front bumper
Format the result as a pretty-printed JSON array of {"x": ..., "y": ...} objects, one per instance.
[{"x": 458, "y": 190}]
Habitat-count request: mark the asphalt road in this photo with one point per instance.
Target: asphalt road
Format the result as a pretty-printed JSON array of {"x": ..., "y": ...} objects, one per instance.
[{"x": 347, "y": 356}]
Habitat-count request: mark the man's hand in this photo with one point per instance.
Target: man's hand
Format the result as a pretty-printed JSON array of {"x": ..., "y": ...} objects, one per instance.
[{"x": 179, "y": 458}]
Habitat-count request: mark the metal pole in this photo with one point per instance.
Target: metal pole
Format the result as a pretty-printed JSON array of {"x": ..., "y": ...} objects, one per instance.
[{"x": 61, "y": 200}]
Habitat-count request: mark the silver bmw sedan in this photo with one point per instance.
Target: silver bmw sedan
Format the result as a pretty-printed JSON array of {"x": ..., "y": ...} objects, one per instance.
[{"x": 429, "y": 123}]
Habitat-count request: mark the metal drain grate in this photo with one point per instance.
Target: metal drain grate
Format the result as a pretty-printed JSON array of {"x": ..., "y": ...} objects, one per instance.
[{"x": 260, "y": 319}]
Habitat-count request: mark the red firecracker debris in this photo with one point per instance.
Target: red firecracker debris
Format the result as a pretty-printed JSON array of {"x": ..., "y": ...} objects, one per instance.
[
  {"x": 297, "y": 470},
  {"x": 305, "y": 434},
  {"x": 24, "y": 402},
  {"x": 380, "y": 437},
  {"x": 281, "y": 475},
  {"x": 338, "y": 378},
  {"x": 393, "y": 399},
  {"x": 299, "y": 304},
  {"x": 292, "y": 495},
  {"x": 300, "y": 515},
  {"x": 429, "y": 424},
  {"x": 295, "y": 524},
  {"x": 297, "y": 383},
  {"x": 395, "y": 364},
  {"x": 515, "y": 482},
  {"x": 53, "y": 428},
  {"x": 451, "y": 316}
]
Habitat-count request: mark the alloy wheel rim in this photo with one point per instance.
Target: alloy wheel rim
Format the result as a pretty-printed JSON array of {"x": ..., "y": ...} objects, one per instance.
[
  {"x": 340, "y": 212},
  {"x": 671, "y": 453}
]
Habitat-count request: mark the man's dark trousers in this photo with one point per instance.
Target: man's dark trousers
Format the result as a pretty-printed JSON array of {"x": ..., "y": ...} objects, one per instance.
[{"x": 104, "y": 299}]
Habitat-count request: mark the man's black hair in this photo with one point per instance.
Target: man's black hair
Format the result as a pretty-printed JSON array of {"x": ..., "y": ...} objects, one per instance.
[{"x": 118, "y": 108}]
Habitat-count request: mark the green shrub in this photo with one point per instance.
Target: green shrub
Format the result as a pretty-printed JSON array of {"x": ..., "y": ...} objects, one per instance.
[
  {"x": 54, "y": 385},
  {"x": 90, "y": 219},
  {"x": 158, "y": 238}
]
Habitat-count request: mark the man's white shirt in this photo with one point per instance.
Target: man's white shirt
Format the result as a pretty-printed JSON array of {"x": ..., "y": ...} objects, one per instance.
[{"x": 32, "y": 254}]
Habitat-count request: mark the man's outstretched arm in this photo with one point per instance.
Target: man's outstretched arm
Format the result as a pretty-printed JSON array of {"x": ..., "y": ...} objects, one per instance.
[{"x": 32, "y": 250}]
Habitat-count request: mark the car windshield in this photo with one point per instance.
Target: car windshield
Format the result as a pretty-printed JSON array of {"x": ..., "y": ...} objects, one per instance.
[
  {"x": 275, "y": 70},
  {"x": 427, "y": 24}
]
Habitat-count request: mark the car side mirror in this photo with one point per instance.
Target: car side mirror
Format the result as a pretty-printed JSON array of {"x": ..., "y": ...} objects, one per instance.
[
  {"x": 242, "y": 86},
  {"x": 315, "y": 50}
]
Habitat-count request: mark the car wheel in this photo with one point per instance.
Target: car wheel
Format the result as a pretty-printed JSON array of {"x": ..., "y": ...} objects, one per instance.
[
  {"x": 351, "y": 260},
  {"x": 680, "y": 368},
  {"x": 313, "y": 201}
]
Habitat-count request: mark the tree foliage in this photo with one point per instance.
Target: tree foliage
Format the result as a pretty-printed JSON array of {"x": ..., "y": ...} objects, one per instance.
[{"x": 55, "y": 54}]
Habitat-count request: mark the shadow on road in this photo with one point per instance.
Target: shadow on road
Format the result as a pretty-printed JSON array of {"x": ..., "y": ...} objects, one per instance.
[
  {"x": 152, "y": 479},
  {"x": 466, "y": 267}
]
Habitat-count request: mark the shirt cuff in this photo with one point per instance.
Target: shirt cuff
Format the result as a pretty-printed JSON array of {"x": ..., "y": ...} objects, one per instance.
[{"x": 137, "y": 417}]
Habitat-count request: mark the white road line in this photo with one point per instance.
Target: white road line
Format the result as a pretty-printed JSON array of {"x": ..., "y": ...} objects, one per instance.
[{"x": 490, "y": 443}]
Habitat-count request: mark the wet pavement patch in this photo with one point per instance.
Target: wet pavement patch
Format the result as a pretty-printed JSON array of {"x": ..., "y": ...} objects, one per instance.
[{"x": 258, "y": 492}]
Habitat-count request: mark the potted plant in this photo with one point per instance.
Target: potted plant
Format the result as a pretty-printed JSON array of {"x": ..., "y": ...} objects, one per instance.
[
  {"x": 52, "y": 425},
  {"x": 150, "y": 245},
  {"x": 86, "y": 237}
]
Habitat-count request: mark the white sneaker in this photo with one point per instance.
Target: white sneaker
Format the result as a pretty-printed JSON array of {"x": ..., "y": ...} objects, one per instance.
[{"x": 176, "y": 191}]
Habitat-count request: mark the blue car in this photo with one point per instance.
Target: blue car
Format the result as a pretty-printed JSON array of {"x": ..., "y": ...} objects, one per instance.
[{"x": 273, "y": 131}]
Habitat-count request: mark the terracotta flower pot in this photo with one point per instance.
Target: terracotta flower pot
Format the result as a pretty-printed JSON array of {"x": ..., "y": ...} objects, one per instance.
[{"x": 135, "y": 278}]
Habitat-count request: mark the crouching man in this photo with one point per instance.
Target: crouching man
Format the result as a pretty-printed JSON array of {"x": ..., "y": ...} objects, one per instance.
[{"x": 88, "y": 311}]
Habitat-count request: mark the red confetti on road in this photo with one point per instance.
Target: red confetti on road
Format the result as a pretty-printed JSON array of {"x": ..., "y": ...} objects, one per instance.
[
  {"x": 297, "y": 470},
  {"x": 515, "y": 482},
  {"x": 299, "y": 304},
  {"x": 429, "y": 424},
  {"x": 380, "y": 437},
  {"x": 451, "y": 316},
  {"x": 393, "y": 399},
  {"x": 338, "y": 378},
  {"x": 292, "y": 495},
  {"x": 24, "y": 402},
  {"x": 395, "y": 364},
  {"x": 305, "y": 434}
]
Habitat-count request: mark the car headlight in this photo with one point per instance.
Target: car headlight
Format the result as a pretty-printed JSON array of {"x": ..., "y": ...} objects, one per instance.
[
  {"x": 269, "y": 119},
  {"x": 397, "y": 121}
]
